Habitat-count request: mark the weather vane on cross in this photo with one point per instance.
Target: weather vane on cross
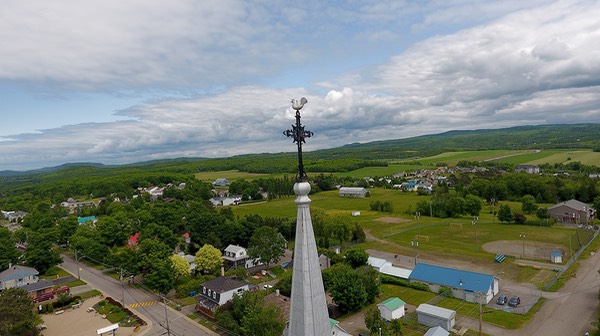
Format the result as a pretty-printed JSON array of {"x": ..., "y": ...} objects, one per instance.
[{"x": 299, "y": 135}]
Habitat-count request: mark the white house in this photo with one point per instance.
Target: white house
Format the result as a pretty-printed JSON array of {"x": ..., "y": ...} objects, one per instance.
[
  {"x": 529, "y": 169},
  {"x": 353, "y": 192},
  {"x": 18, "y": 276},
  {"x": 216, "y": 292},
  {"x": 391, "y": 309},
  {"x": 221, "y": 182},
  {"x": 433, "y": 316},
  {"x": 226, "y": 200},
  {"x": 237, "y": 256},
  {"x": 336, "y": 329}
]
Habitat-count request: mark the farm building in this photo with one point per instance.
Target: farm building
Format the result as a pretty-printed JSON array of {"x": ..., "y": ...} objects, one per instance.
[
  {"x": 353, "y": 192},
  {"x": 465, "y": 285},
  {"x": 434, "y": 316},
  {"x": 529, "y": 169},
  {"x": 385, "y": 267},
  {"x": 572, "y": 212},
  {"x": 391, "y": 309}
]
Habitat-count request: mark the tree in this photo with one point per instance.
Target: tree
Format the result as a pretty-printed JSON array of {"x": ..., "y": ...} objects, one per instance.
[
  {"x": 340, "y": 229},
  {"x": 17, "y": 315},
  {"x": 505, "y": 213},
  {"x": 40, "y": 254},
  {"x": 346, "y": 289},
  {"x": 356, "y": 257},
  {"x": 161, "y": 277},
  {"x": 8, "y": 252},
  {"x": 542, "y": 214},
  {"x": 528, "y": 204},
  {"x": 208, "y": 258},
  {"x": 180, "y": 265},
  {"x": 473, "y": 205},
  {"x": 249, "y": 315},
  {"x": 373, "y": 320},
  {"x": 266, "y": 244},
  {"x": 395, "y": 327}
]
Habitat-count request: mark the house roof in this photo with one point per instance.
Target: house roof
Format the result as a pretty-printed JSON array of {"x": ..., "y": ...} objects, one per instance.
[
  {"x": 17, "y": 272},
  {"x": 392, "y": 303},
  {"x": 573, "y": 204},
  {"x": 376, "y": 262},
  {"x": 556, "y": 254},
  {"x": 437, "y": 331},
  {"x": 453, "y": 278},
  {"x": 431, "y": 310},
  {"x": 394, "y": 271},
  {"x": 223, "y": 284},
  {"x": 234, "y": 249},
  {"x": 281, "y": 301},
  {"x": 38, "y": 285}
]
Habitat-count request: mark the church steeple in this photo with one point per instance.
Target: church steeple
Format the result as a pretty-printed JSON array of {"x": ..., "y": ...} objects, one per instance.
[{"x": 308, "y": 313}]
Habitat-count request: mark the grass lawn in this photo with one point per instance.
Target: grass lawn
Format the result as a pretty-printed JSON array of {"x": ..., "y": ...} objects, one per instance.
[
  {"x": 89, "y": 294},
  {"x": 52, "y": 272},
  {"x": 231, "y": 175}
]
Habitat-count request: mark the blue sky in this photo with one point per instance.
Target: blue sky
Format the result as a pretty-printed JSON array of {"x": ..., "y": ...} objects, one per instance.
[{"x": 126, "y": 81}]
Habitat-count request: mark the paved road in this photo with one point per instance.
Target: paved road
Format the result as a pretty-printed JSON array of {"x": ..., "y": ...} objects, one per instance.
[{"x": 153, "y": 314}]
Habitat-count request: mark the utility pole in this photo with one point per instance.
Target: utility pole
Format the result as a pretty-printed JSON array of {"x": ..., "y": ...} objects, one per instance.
[
  {"x": 480, "y": 317},
  {"x": 77, "y": 261},
  {"x": 122, "y": 288},
  {"x": 474, "y": 222},
  {"x": 417, "y": 216},
  {"x": 523, "y": 240},
  {"x": 164, "y": 297},
  {"x": 493, "y": 210},
  {"x": 414, "y": 244}
]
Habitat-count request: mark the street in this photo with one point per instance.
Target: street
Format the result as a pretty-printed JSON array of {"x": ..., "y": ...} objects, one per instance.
[{"x": 153, "y": 314}]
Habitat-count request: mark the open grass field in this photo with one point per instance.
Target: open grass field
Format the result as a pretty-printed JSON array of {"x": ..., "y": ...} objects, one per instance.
[{"x": 228, "y": 174}]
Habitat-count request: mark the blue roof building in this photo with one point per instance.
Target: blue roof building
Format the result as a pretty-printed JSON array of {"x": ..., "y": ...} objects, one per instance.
[{"x": 465, "y": 285}]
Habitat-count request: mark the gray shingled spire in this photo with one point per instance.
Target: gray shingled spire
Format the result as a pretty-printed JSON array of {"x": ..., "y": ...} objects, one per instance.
[{"x": 308, "y": 313}]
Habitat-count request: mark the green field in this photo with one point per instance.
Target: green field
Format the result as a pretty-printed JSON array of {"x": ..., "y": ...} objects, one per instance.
[{"x": 228, "y": 174}]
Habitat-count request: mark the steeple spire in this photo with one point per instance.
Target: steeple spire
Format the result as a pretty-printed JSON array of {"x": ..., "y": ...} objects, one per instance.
[{"x": 308, "y": 313}]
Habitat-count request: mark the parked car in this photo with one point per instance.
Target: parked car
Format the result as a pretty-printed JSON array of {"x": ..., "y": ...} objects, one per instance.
[
  {"x": 514, "y": 301},
  {"x": 43, "y": 297},
  {"x": 502, "y": 299},
  {"x": 62, "y": 289}
]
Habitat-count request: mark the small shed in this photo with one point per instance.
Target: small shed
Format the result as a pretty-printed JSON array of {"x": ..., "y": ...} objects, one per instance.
[
  {"x": 433, "y": 316},
  {"x": 391, "y": 309},
  {"x": 437, "y": 331},
  {"x": 556, "y": 257}
]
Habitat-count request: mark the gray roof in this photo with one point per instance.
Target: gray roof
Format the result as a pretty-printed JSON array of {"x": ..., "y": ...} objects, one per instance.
[
  {"x": 223, "y": 284},
  {"x": 18, "y": 272},
  {"x": 431, "y": 310},
  {"x": 38, "y": 285},
  {"x": 437, "y": 331},
  {"x": 234, "y": 249},
  {"x": 573, "y": 204}
]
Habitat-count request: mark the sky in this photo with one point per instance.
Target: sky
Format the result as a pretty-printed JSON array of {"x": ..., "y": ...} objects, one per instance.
[{"x": 114, "y": 82}]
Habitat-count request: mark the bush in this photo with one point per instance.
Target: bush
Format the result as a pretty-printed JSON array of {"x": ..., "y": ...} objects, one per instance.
[{"x": 388, "y": 279}]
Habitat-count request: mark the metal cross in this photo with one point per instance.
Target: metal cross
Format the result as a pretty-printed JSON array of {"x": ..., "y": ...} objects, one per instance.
[{"x": 299, "y": 135}]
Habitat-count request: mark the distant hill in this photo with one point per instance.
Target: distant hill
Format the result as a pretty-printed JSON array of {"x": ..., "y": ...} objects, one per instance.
[{"x": 521, "y": 137}]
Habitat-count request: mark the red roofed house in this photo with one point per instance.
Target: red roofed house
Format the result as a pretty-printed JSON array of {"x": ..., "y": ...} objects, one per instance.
[{"x": 133, "y": 240}]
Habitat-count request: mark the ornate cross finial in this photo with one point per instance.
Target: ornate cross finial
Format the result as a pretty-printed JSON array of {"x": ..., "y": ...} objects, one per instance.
[{"x": 299, "y": 135}]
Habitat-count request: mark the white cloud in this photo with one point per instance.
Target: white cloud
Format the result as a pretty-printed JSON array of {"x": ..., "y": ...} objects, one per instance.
[{"x": 526, "y": 64}]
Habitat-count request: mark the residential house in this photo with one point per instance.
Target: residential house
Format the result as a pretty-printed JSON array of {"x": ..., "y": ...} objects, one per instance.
[
  {"x": 14, "y": 216},
  {"x": 217, "y": 292},
  {"x": 39, "y": 289},
  {"x": 324, "y": 262},
  {"x": 236, "y": 256},
  {"x": 221, "y": 182},
  {"x": 357, "y": 192},
  {"x": 18, "y": 276},
  {"x": 465, "y": 285},
  {"x": 190, "y": 259},
  {"x": 132, "y": 242},
  {"x": 226, "y": 200},
  {"x": 529, "y": 169},
  {"x": 391, "y": 309},
  {"x": 74, "y": 205},
  {"x": 572, "y": 212}
]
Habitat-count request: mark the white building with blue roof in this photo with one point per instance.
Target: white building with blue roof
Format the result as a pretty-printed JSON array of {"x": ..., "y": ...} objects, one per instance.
[{"x": 465, "y": 285}]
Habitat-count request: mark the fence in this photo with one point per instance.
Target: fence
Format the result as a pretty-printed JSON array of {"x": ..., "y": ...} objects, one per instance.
[{"x": 574, "y": 257}]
